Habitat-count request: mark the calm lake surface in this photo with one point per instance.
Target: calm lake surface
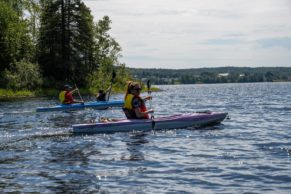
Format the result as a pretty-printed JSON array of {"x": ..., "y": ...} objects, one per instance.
[{"x": 248, "y": 153}]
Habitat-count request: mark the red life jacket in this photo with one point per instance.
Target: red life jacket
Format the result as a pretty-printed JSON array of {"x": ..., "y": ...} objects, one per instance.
[
  {"x": 129, "y": 109},
  {"x": 69, "y": 98},
  {"x": 143, "y": 108}
]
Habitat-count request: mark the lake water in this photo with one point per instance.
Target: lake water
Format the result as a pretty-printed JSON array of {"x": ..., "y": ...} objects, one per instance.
[{"x": 248, "y": 153}]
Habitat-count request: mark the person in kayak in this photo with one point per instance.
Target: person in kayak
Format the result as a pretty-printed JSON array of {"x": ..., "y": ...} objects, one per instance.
[
  {"x": 66, "y": 96},
  {"x": 101, "y": 96},
  {"x": 134, "y": 105}
]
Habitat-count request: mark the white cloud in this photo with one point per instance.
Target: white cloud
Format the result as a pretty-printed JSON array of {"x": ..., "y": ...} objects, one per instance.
[{"x": 199, "y": 33}]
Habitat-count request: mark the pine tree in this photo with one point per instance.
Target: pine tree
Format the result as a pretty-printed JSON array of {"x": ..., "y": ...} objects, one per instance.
[{"x": 66, "y": 41}]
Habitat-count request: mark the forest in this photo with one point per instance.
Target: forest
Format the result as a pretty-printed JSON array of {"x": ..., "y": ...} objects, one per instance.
[
  {"x": 45, "y": 44},
  {"x": 213, "y": 75}
]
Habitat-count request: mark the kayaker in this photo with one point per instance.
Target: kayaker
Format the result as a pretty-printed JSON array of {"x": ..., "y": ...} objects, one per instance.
[
  {"x": 66, "y": 96},
  {"x": 101, "y": 96},
  {"x": 134, "y": 105}
]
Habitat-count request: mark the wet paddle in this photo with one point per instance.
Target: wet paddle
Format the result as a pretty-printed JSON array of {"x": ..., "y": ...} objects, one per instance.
[
  {"x": 79, "y": 93},
  {"x": 111, "y": 82},
  {"x": 150, "y": 102},
  {"x": 149, "y": 92}
]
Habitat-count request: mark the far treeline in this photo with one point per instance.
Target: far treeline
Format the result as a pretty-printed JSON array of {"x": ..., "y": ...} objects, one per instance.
[
  {"x": 213, "y": 75},
  {"x": 47, "y": 43}
]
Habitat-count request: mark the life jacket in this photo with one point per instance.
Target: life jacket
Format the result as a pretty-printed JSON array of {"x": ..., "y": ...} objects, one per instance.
[
  {"x": 143, "y": 108},
  {"x": 101, "y": 97},
  {"x": 129, "y": 110},
  {"x": 62, "y": 96},
  {"x": 65, "y": 97},
  {"x": 69, "y": 98},
  {"x": 128, "y": 101}
]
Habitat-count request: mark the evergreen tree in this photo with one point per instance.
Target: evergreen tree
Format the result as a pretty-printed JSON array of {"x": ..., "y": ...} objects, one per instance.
[
  {"x": 66, "y": 41},
  {"x": 59, "y": 35}
]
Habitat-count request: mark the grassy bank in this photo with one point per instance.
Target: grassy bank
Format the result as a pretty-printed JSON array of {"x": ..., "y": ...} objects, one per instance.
[
  {"x": 11, "y": 94},
  {"x": 7, "y": 94}
]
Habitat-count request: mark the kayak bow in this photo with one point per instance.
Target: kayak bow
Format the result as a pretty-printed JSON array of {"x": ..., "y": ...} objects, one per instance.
[{"x": 198, "y": 119}]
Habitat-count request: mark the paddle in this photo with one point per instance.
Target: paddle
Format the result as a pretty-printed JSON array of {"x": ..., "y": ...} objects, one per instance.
[
  {"x": 150, "y": 102},
  {"x": 149, "y": 92},
  {"x": 79, "y": 93},
  {"x": 111, "y": 82}
]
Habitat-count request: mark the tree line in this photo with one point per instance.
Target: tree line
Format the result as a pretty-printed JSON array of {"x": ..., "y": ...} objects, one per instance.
[
  {"x": 213, "y": 75},
  {"x": 46, "y": 43}
]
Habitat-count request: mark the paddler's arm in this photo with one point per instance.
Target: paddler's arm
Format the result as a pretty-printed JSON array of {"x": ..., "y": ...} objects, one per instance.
[
  {"x": 147, "y": 98},
  {"x": 73, "y": 91},
  {"x": 140, "y": 114}
]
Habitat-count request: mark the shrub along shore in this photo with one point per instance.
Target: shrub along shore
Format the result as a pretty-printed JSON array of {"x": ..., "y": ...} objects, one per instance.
[{"x": 9, "y": 95}]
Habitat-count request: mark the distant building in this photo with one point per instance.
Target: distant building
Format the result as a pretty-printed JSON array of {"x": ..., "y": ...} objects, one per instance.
[{"x": 223, "y": 75}]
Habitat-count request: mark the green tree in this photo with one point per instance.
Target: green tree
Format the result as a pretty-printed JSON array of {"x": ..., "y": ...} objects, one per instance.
[
  {"x": 15, "y": 39},
  {"x": 66, "y": 41},
  {"x": 106, "y": 48},
  {"x": 23, "y": 75},
  {"x": 269, "y": 76},
  {"x": 106, "y": 55},
  {"x": 233, "y": 77}
]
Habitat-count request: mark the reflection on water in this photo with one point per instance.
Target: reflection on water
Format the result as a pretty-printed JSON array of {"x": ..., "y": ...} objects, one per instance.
[
  {"x": 67, "y": 161},
  {"x": 134, "y": 144}
]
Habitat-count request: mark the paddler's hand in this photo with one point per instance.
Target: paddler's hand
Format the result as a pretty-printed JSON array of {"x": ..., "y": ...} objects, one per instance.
[
  {"x": 148, "y": 98},
  {"x": 75, "y": 90},
  {"x": 150, "y": 111}
]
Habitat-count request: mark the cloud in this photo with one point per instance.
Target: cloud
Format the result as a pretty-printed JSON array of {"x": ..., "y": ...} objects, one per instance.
[
  {"x": 226, "y": 14},
  {"x": 196, "y": 33},
  {"x": 284, "y": 42},
  {"x": 224, "y": 41}
]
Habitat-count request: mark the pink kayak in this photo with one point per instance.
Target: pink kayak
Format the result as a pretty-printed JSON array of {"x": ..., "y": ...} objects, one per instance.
[{"x": 197, "y": 119}]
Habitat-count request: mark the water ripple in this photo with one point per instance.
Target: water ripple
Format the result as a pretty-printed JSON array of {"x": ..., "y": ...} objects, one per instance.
[{"x": 248, "y": 153}]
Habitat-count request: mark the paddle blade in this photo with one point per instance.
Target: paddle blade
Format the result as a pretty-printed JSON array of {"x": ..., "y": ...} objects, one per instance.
[
  {"x": 113, "y": 76},
  {"x": 149, "y": 84}
]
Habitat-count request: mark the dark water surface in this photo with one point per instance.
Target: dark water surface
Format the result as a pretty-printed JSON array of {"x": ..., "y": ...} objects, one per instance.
[{"x": 248, "y": 153}]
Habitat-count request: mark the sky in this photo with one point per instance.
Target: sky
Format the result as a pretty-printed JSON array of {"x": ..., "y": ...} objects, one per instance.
[{"x": 179, "y": 34}]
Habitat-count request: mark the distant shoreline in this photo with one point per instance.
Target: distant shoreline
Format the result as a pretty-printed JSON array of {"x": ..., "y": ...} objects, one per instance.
[
  {"x": 7, "y": 95},
  {"x": 213, "y": 75}
]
